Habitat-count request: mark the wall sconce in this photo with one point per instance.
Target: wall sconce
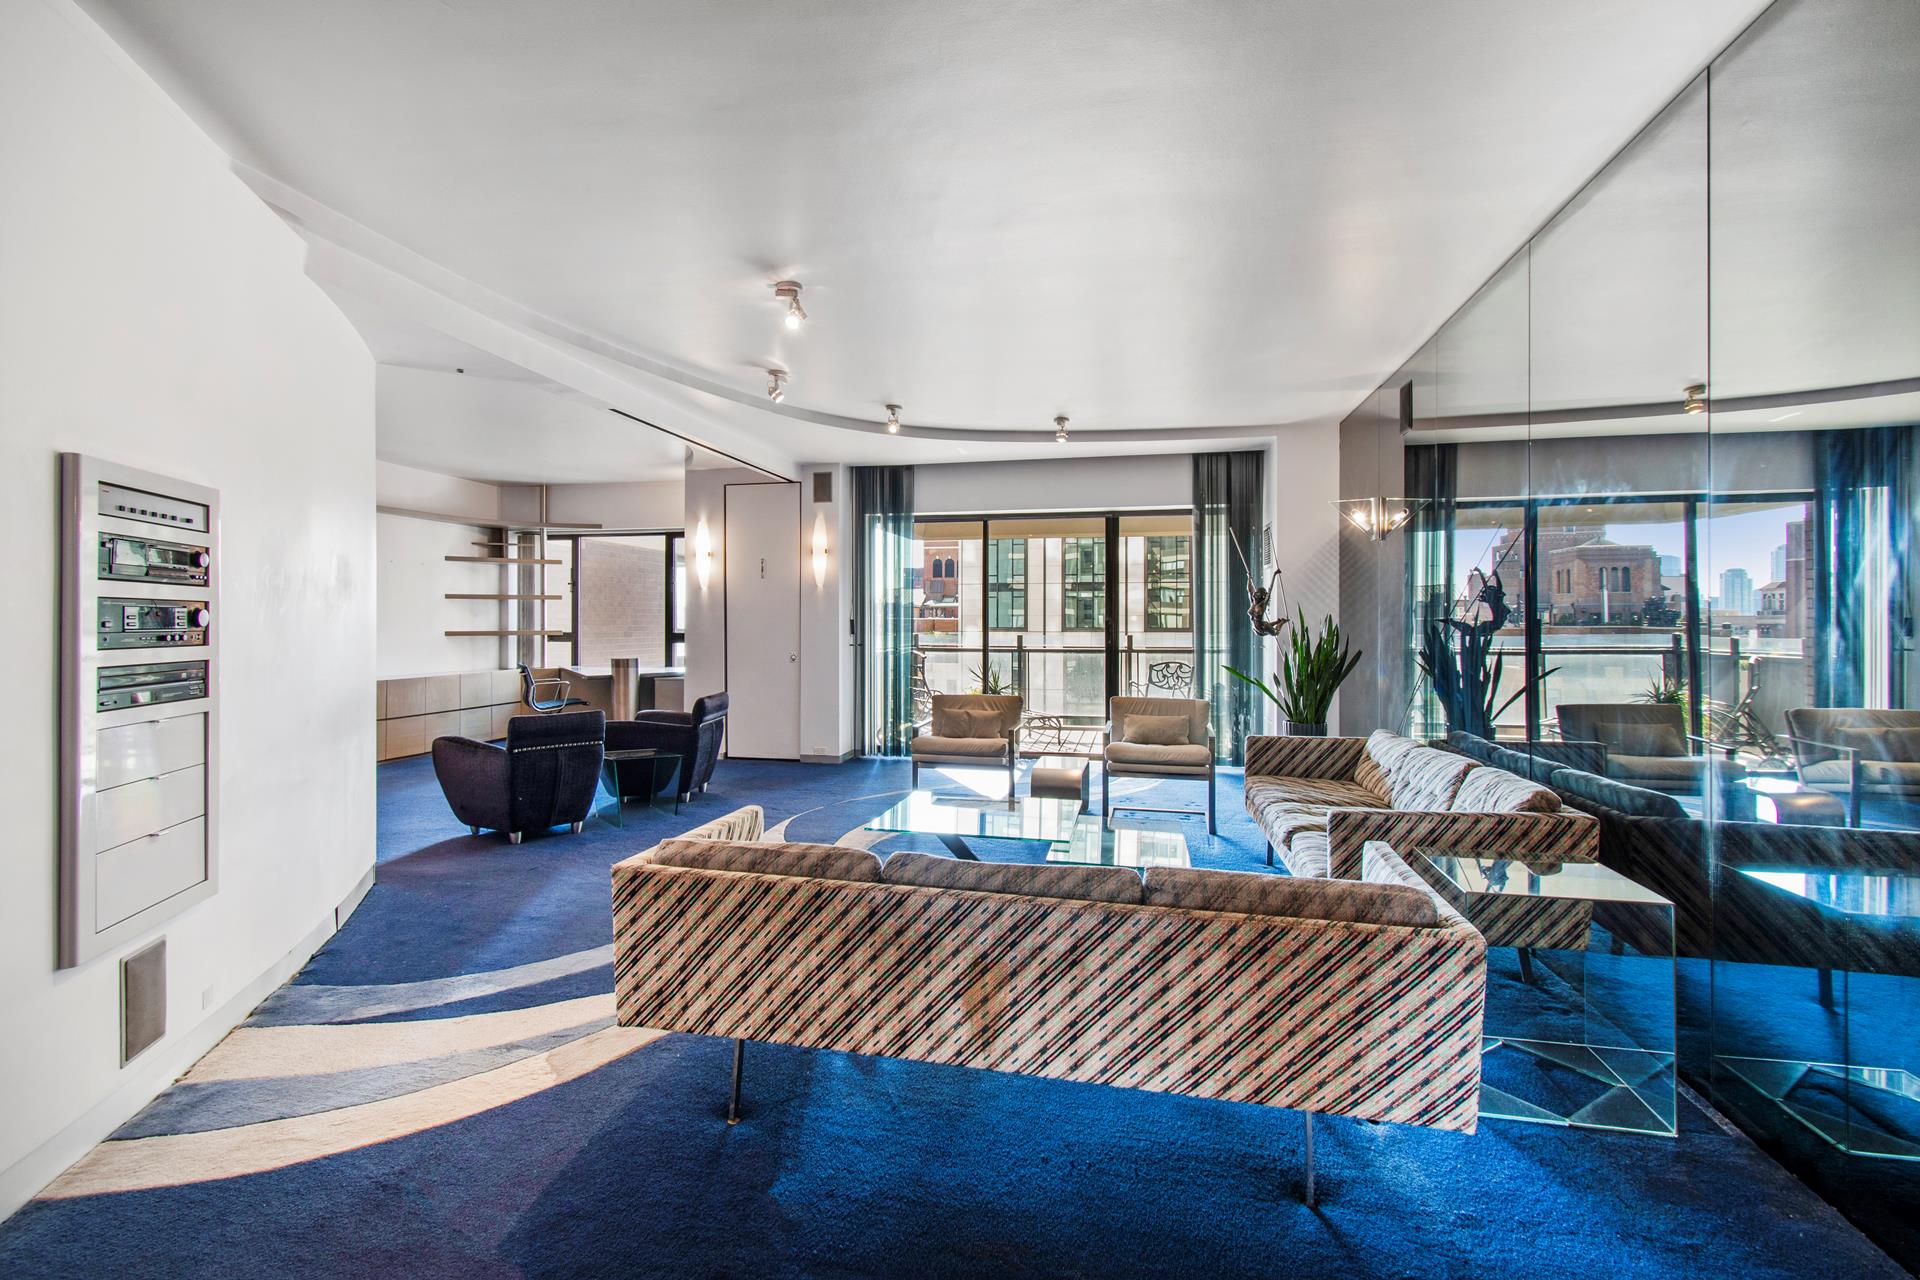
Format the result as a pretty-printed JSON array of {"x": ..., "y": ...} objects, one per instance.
[
  {"x": 703, "y": 553},
  {"x": 1377, "y": 517},
  {"x": 1696, "y": 399},
  {"x": 820, "y": 549}
]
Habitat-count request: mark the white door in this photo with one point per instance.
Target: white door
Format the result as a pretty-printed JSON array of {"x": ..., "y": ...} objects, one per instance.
[{"x": 763, "y": 621}]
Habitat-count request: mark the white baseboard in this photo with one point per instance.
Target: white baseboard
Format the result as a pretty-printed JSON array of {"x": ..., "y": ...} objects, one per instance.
[
  {"x": 353, "y": 899},
  {"x": 149, "y": 1075}
]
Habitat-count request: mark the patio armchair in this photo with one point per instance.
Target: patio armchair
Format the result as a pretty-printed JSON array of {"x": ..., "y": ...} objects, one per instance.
[
  {"x": 969, "y": 728},
  {"x": 1160, "y": 750},
  {"x": 1856, "y": 752}
]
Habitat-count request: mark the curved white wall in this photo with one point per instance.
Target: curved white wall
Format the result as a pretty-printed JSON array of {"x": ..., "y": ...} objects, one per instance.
[{"x": 154, "y": 312}]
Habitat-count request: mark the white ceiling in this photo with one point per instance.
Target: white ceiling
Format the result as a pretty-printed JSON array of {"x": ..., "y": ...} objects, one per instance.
[{"x": 1143, "y": 215}]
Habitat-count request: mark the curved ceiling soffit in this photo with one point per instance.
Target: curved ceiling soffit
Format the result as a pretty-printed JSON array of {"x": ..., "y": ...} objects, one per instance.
[{"x": 320, "y": 221}]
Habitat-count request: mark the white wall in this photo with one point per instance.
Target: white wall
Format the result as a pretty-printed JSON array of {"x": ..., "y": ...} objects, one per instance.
[
  {"x": 706, "y": 525},
  {"x": 411, "y": 489},
  {"x": 414, "y": 613},
  {"x": 1054, "y": 484},
  {"x": 827, "y": 730},
  {"x": 643, "y": 505},
  {"x": 155, "y": 313},
  {"x": 1303, "y": 482}
]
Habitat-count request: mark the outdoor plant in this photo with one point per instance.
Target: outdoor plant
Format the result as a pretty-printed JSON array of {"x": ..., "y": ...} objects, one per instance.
[
  {"x": 1464, "y": 669},
  {"x": 1312, "y": 668}
]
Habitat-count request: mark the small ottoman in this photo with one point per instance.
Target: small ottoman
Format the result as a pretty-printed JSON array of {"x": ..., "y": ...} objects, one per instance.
[{"x": 1061, "y": 778}]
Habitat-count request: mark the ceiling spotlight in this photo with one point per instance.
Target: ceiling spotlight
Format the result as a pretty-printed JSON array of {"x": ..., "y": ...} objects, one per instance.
[
  {"x": 1060, "y": 428},
  {"x": 790, "y": 290},
  {"x": 1696, "y": 401},
  {"x": 776, "y": 385},
  {"x": 893, "y": 419}
]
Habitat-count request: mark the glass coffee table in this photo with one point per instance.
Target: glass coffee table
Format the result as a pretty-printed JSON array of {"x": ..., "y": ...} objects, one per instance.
[
  {"x": 1071, "y": 836},
  {"x": 1587, "y": 1038},
  {"x": 608, "y": 802},
  {"x": 1850, "y": 1072}
]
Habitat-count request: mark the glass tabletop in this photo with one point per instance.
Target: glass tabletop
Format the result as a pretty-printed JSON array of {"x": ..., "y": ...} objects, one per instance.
[
  {"x": 1027, "y": 818},
  {"x": 1485, "y": 875},
  {"x": 1858, "y": 893},
  {"x": 1095, "y": 843},
  {"x": 640, "y": 753}
]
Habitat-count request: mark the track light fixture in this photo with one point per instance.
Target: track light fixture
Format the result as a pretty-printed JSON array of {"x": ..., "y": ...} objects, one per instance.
[
  {"x": 893, "y": 419},
  {"x": 1696, "y": 401},
  {"x": 776, "y": 385},
  {"x": 1060, "y": 428},
  {"x": 790, "y": 291}
]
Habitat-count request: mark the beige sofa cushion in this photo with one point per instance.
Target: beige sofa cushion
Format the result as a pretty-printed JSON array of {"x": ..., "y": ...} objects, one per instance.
[
  {"x": 1898, "y": 775},
  {"x": 935, "y": 746},
  {"x": 1183, "y": 755},
  {"x": 1874, "y": 742},
  {"x": 1328, "y": 793},
  {"x": 1667, "y": 769},
  {"x": 965, "y": 722},
  {"x": 1088, "y": 884},
  {"x": 1647, "y": 740},
  {"x": 1156, "y": 731},
  {"x": 1490, "y": 790},
  {"x": 1305, "y": 899},
  {"x": 821, "y": 861},
  {"x": 1310, "y": 854}
]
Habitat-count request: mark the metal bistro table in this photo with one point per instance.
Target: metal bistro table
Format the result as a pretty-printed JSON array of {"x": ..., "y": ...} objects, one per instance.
[
  {"x": 613, "y": 806},
  {"x": 1585, "y": 1039}
]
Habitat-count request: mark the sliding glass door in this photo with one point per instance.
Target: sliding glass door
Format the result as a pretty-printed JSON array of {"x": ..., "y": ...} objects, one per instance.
[{"x": 1065, "y": 610}]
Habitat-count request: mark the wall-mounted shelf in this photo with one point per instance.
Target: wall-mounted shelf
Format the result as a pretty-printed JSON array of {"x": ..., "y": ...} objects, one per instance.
[
  {"x": 481, "y": 595},
  {"x": 478, "y": 522},
  {"x": 499, "y": 560},
  {"x": 506, "y": 633}
]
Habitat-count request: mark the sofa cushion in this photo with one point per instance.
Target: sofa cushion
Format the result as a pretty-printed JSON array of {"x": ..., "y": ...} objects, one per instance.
[
  {"x": 1426, "y": 778},
  {"x": 1157, "y": 731},
  {"x": 1647, "y": 740},
  {"x": 1310, "y": 854},
  {"x": 1089, "y": 884},
  {"x": 820, "y": 861},
  {"x": 1281, "y": 822},
  {"x": 932, "y": 745},
  {"x": 1383, "y": 750},
  {"x": 1668, "y": 770},
  {"x": 966, "y": 722},
  {"x": 1305, "y": 899},
  {"x": 1881, "y": 742},
  {"x": 1182, "y": 755},
  {"x": 1893, "y": 774},
  {"x": 1489, "y": 790},
  {"x": 1331, "y": 793},
  {"x": 1607, "y": 793}
]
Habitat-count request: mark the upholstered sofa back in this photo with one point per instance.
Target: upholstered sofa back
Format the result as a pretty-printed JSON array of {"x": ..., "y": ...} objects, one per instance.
[{"x": 1375, "y": 1020}]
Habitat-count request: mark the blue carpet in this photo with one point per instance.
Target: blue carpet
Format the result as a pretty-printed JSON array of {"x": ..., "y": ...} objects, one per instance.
[{"x": 842, "y": 1166}]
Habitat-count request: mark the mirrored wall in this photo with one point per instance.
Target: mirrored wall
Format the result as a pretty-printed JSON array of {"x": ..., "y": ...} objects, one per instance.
[{"x": 1662, "y": 470}]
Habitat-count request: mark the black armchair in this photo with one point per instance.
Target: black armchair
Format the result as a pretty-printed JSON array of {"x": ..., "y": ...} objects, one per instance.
[
  {"x": 546, "y": 775},
  {"x": 694, "y": 736}
]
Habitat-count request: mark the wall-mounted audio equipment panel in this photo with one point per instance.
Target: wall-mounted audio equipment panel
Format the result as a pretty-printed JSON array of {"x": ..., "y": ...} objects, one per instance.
[{"x": 139, "y": 698}]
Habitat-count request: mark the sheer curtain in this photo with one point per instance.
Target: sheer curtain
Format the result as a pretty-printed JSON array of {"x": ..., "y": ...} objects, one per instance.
[
  {"x": 1227, "y": 500},
  {"x": 883, "y": 515}
]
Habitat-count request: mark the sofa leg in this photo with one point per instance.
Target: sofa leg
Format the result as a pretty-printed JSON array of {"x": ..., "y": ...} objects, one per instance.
[
  {"x": 578, "y": 827},
  {"x": 1106, "y": 792},
  {"x": 474, "y": 830},
  {"x": 1526, "y": 964},
  {"x": 1826, "y": 988},
  {"x": 1311, "y": 1198},
  {"x": 733, "y": 1100},
  {"x": 513, "y": 837},
  {"x": 916, "y": 776},
  {"x": 1269, "y": 853},
  {"x": 1212, "y": 830}
]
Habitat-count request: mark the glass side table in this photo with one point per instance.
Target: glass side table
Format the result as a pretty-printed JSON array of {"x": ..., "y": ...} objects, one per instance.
[
  {"x": 1850, "y": 1070},
  {"x": 1586, "y": 1037},
  {"x": 656, "y": 765}
]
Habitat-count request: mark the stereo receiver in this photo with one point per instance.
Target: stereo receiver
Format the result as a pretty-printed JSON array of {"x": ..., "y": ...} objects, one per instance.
[
  {"x": 145, "y": 560},
  {"x": 149, "y": 683},
  {"x": 151, "y": 624}
]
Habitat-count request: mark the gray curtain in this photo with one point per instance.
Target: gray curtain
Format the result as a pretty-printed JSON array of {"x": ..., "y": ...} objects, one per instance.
[
  {"x": 883, "y": 521},
  {"x": 1865, "y": 499},
  {"x": 1227, "y": 502}
]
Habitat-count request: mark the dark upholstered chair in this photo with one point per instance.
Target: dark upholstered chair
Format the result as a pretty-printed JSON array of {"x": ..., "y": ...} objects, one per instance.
[
  {"x": 693, "y": 735},
  {"x": 545, "y": 776}
]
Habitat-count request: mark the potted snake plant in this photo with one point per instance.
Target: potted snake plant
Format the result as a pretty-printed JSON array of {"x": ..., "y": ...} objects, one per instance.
[{"x": 1312, "y": 668}]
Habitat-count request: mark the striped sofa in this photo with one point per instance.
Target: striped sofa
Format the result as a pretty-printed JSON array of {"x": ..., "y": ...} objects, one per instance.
[
  {"x": 1320, "y": 801},
  {"x": 1361, "y": 999}
]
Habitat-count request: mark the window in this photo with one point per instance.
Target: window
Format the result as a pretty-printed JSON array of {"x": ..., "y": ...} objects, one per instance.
[
  {"x": 1007, "y": 584},
  {"x": 1083, "y": 574},
  {"x": 1169, "y": 584}
]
